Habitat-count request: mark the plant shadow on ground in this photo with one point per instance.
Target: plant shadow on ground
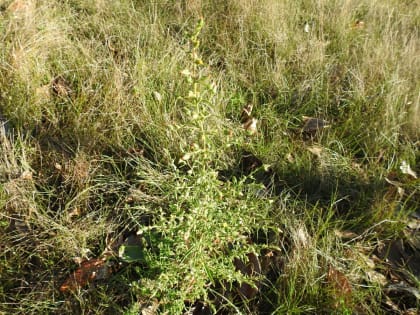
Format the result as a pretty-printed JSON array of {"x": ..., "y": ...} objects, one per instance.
[
  {"x": 348, "y": 197},
  {"x": 348, "y": 194}
]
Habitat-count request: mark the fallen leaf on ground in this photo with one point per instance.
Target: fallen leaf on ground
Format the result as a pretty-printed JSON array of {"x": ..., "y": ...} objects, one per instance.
[
  {"x": 315, "y": 150},
  {"x": 345, "y": 235},
  {"x": 301, "y": 237},
  {"x": 78, "y": 260},
  {"x": 251, "y": 126},
  {"x": 93, "y": 269},
  {"x": 61, "y": 87},
  {"x": 340, "y": 285},
  {"x": 393, "y": 182},
  {"x": 414, "y": 224},
  {"x": 246, "y": 113},
  {"x": 359, "y": 24},
  {"x": 376, "y": 277},
  {"x": 157, "y": 96},
  {"x": 403, "y": 295},
  {"x": 290, "y": 158},
  {"x": 406, "y": 169},
  {"x": 248, "y": 122},
  {"x": 74, "y": 213},
  {"x": 26, "y": 175},
  {"x": 402, "y": 256},
  {"x": 400, "y": 261}
]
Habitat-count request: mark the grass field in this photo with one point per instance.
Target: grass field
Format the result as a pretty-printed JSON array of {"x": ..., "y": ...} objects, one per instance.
[{"x": 209, "y": 157}]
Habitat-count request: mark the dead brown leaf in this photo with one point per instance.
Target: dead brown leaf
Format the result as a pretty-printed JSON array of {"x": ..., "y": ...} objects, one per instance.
[
  {"x": 248, "y": 122},
  {"x": 90, "y": 270},
  {"x": 26, "y": 175},
  {"x": 290, "y": 158},
  {"x": 251, "y": 126},
  {"x": 414, "y": 224},
  {"x": 246, "y": 113},
  {"x": 359, "y": 24},
  {"x": 61, "y": 87},
  {"x": 376, "y": 277},
  {"x": 340, "y": 286},
  {"x": 74, "y": 213},
  {"x": 345, "y": 235},
  {"x": 400, "y": 260}
]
